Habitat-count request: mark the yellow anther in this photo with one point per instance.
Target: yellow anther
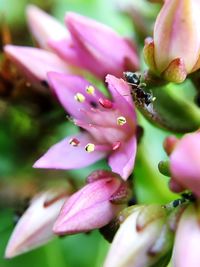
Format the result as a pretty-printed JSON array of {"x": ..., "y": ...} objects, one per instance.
[
  {"x": 79, "y": 97},
  {"x": 121, "y": 120},
  {"x": 90, "y": 89},
  {"x": 90, "y": 147}
]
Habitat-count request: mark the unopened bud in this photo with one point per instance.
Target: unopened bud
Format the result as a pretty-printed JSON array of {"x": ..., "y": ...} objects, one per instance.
[{"x": 144, "y": 248}]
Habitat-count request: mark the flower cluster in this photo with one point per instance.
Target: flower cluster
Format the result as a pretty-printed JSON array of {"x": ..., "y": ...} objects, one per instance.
[
  {"x": 109, "y": 128},
  {"x": 72, "y": 50}
]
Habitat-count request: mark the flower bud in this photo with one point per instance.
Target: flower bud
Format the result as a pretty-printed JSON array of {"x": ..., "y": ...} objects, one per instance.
[
  {"x": 186, "y": 247},
  {"x": 94, "y": 206},
  {"x": 175, "y": 49},
  {"x": 35, "y": 226},
  {"x": 185, "y": 164},
  {"x": 91, "y": 48},
  {"x": 142, "y": 239},
  {"x": 44, "y": 27}
]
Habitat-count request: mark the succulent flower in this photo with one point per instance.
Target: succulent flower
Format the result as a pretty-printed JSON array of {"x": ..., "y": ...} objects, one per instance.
[
  {"x": 35, "y": 226},
  {"x": 142, "y": 239},
  {"x": 93, "y": 206},
  {"x": 185, "y": 164},
  {"x": 110, "y": 125},
  {"x": 86, "y": 44},
  {"x": 175, "y": 48}
]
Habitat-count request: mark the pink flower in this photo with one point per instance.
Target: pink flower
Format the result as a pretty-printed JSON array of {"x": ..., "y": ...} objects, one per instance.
[
  {"x": 185, "y": 164},
  {"x": 93, "y": 206},
  {"x": 35, "y": 226},
  {"x": 87, "y": 45},
  {"x": 175, "y": 49},
  {"x": 186, "y": 247},
  {"x": 110, "y": 126},
  {"x": 142, "y": 239}
]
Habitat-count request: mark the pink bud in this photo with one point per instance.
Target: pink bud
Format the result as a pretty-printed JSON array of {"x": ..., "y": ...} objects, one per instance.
[
  {"x": 92, "y": 206},
  {"x": 44, "y": 27},
  {"x": 142, "y": 238},
  {"x": 186, "y": 247},
  {"x": 35, "y": 226},
  {"x": 185, "y": 163},
  {"x": 93, "y": 43},
  {"x": 176, "y": 40}
]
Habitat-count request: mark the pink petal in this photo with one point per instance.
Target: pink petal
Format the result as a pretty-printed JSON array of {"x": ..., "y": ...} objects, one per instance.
[
  {"x": 89, "y": 208},
  {"x": 64, "y": 155},
  {"x": 44, "y": 27},
  {"x": 122, "y": 160},
  {"x": 87, "y": 220},
  {"x": 35, "y": 62},
  {"x": 66, "y": 50},
  {"x": 66, "y": 87},
  {"x": 185, "y": 162},
  {"x": 186, "y": 247},
  {"x": 35, "y": 226},
  {"x": 121, "y": 95},
  {"x": 104, "y": 134},
  {"x": 95, "y": 43}
]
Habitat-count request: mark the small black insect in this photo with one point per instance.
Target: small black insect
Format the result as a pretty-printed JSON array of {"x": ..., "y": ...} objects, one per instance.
[
  {"x": 138, "y": 92},
  {"x": 132, "y": 78},
  {"x": 188, "y": 196}
]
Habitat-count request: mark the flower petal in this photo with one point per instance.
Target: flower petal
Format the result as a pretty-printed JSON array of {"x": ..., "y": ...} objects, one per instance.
[
  {"x": 186, "y": 247},
  {"x": 35, "y": 226},
  {"x": 35, "y": 62},
  {"x": 64, "y": 155},
  {"x": 89, "y": 208},
  {"x": 185, "y": 162},
  {"x": 44, "y": 27},
  {"x": 67, "y": 86},
  {"x": 122, "y": 160},
  {"x": 130, "y": 247},
  {"x": 121, "y": 95},
  {"x": 66, "y": 50},
  {"x": 94, "y": 46}
]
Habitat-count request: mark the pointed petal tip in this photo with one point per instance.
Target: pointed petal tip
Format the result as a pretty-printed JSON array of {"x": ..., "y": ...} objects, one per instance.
[
  {"x": 56, "y": 228},
  {"x": 9, "y": 49},
  {"x": 44, "y": 27},
  {"x": 42, "y": 61},
  {"x": 9, "y": 253},
  {"x": 12, "y": 251},
  {"x": 30, "y": 8},
  {"x": 62, "y": 227},
  {"x": 36, "y": 165},
  {"x": 71, "y": 16}
]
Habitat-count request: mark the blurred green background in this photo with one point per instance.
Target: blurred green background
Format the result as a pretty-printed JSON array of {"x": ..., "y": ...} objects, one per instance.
[{"x": 30, "y": 123}]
